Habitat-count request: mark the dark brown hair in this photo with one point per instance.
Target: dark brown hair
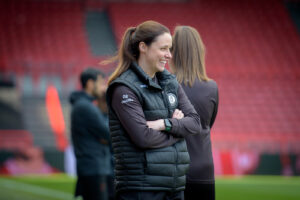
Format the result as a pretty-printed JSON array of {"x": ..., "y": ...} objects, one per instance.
[
  {"x": 188, "y": 55},
  {"x": 129, "y": 52}
]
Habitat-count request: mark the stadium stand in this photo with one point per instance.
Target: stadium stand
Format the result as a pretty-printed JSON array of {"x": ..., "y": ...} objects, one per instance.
[
  {"x": 47, "y": 38},
  {"x": 37, "y": 122},
  {"x": 253, "y": 50},
  {"x": 46, "y": 43},
  {"x": 253, "y": 53},
  {"x": 15, "y": 139}
]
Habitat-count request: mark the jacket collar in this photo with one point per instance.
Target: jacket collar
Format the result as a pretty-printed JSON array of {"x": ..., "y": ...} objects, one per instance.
[
  {"x": 162, "y": 77},
  {"x": 77, "y": 95}
]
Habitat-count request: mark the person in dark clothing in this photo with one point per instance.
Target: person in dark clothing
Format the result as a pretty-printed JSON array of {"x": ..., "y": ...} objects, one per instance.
[
  {"x": 102, "y": 105},
  {"x": 189, "y": 67},
  {"x": 90, "y": 137},
  {"x": 148, "y": 109}
]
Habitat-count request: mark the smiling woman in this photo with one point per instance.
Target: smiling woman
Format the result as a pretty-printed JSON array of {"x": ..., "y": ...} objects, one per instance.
[
  {"x": 148, "y": 111},
  {"x": 154, "y": 57},
  {"x": 148, "y": 44}
]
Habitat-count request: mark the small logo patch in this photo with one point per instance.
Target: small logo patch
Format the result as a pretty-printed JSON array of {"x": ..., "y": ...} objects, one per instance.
[
  {"x": 143, "y": 86},
  {"x": 172, "y": 99},
  {"x": 126, "y": 99}
]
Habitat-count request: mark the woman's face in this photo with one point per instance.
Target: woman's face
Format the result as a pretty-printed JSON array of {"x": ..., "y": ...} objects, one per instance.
[{"x": 158, "y": 53}]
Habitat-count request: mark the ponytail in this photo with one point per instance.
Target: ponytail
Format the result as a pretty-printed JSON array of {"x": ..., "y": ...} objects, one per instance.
[
  {"x": 129, "y": 50},
  {"x": 125, "y": 55}
]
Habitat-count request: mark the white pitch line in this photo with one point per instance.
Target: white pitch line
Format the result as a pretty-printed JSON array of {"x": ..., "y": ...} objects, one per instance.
[{"x": 34, "y": 189}]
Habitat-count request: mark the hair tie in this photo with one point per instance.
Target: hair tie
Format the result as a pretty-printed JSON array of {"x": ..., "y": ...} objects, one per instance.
[{"x": 133, "y": 32}]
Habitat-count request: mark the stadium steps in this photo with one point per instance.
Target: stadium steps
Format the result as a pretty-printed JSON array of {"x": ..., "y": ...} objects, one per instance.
[
  {"x": 100, "y": 35},
  {"x": 10, "y": 109},
  {"x": 36, "y": 121}
]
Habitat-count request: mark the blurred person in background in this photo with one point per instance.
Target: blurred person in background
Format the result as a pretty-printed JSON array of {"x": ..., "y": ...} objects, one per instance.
[
  {"x": 148, "y": 111},
  {"x": 102, "y": 105},
  {"x": 188, "y": 64},
  {"x": 90, "y": 137}
]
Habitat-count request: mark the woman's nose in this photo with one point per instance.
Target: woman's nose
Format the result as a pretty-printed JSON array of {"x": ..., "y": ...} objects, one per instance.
[{"x": 168, "y": 55}]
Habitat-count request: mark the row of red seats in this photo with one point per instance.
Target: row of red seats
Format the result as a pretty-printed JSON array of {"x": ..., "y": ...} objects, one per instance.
[
  {"x": 252, "y": 52},
  {"x": 260, "y": 142},
  {"x": 15, "y": 139},
  {"x": 43, "y": 38},
  {"x": 241, "y": 37},
  {"x": 258, "y": 106}
]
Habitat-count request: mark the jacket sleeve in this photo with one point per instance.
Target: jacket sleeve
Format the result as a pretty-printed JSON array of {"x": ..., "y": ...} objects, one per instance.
[
  {"x": 130, "y": 113},
  {"x": 190, "y": 124},
  {"x": 216, "y": 106}
]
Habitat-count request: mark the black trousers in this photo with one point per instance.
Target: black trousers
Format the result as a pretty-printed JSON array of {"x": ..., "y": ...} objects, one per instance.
[
  {"x": 92, "y": 187},
  {"x": 196, "y": 191},
  {"x": 110, "y": 187},
  {"x": 150, "y": 195}
]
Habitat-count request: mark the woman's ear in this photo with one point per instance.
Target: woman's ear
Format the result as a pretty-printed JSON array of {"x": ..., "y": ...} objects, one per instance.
[{"x": 142, "y": 47}]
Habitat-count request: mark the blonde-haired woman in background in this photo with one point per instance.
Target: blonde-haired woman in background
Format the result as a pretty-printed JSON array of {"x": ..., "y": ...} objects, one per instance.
[{"x": 188, "y": 64}]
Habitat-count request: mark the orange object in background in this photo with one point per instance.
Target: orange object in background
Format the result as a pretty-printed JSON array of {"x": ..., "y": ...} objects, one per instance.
[
  {"x": 227, "y": 163},
  {"x": 56, "y": 117}
]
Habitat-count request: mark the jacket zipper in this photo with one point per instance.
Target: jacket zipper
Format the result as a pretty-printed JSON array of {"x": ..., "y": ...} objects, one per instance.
[
  {"x": 174, "y": 146},
  {"x": 166, "y": 102}
]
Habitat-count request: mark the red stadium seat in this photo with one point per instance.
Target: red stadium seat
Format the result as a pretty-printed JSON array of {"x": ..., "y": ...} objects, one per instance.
[
  {"x": 15, "y": 139},
  {"x": 257, "y": 75}
]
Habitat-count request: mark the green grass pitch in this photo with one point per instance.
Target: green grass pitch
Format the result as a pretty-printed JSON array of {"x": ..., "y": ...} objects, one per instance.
[{"x": 60, "y": 186}]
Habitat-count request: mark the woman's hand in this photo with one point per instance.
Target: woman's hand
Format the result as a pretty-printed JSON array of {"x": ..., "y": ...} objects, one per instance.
[
  {"x": 178, "y": 114},
  {"x": 158, "y": 125}
]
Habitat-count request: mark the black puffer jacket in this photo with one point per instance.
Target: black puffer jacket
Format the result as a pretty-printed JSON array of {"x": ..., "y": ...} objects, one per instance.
[{"x": 161, "y": 169}]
